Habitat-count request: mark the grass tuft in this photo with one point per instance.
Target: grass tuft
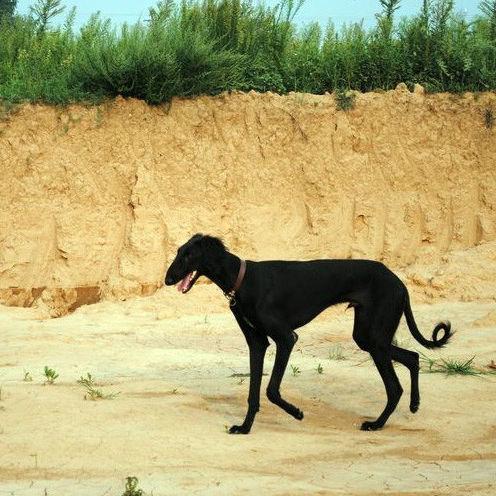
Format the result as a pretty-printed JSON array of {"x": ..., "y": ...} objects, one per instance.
[
  {"x": 50, "y": 375},
  {"x": 92, "y": 392},
  {"x": 295, "y": 370},
  {"x": 131, "y": 488},
  {"x": 450, "y": 366}
]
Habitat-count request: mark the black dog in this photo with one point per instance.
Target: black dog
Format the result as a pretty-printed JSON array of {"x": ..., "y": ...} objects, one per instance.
[{"x": 274, "y": 298}]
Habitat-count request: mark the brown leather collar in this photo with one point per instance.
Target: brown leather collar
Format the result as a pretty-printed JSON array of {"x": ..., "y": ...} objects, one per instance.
[
  {"x": 231, "y": 295},
  {"x": 241, "y": 275}
]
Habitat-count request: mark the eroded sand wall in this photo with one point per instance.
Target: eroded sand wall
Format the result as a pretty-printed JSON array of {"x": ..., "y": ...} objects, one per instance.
[{"x": 95, "y": 200}]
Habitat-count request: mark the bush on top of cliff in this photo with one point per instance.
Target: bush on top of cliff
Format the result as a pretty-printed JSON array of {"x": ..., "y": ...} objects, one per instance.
[{"x": 198, "y": 47}]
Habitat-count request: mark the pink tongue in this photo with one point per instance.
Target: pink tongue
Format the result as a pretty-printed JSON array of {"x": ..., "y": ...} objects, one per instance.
[{"x": 183, "y": 285}]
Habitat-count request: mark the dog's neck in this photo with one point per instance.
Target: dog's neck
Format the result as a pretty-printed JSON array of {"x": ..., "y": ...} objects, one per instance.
[{"x": 223, "y": 271}]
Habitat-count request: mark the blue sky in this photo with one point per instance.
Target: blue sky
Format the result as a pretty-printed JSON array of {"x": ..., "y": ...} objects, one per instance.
[{"x": 340, "y": 11}]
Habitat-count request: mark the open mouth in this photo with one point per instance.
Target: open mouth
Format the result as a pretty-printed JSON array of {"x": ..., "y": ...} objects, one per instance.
[{"x": 187, "y": 283}]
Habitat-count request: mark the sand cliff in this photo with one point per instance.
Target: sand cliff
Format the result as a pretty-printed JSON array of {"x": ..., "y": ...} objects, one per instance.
[{"x": 95, "y": 200}]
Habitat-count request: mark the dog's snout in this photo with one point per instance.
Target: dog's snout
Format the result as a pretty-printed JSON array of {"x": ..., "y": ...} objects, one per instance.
[{"x": 169, "y": 281}]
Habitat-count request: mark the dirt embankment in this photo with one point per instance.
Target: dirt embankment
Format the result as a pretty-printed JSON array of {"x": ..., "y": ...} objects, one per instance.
[{"x": 95, "y": 200}]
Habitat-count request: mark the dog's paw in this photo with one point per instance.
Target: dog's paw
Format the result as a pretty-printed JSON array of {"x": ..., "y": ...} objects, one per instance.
[
  {"x": 414, "y": 407},
  {"x": 370, "y": 426},
  {"x": 298, "y": 415},
  {"x": 239, "y": 429}
]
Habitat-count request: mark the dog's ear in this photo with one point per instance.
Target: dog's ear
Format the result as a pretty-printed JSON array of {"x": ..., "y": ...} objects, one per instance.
[{"x": 212, "y": 244}]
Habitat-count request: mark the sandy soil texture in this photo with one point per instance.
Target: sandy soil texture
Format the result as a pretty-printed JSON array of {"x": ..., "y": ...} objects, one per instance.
[
  {"x": 93, "y": 204},
  {"x": 176, "y": 360},
  {"x": 95, "y": 200}
]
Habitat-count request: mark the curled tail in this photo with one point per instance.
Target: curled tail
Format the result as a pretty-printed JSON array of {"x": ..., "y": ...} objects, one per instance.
[{"x": 436, "y": 342}]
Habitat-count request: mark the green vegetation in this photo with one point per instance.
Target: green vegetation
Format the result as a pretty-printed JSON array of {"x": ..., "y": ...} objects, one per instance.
[
  {"x": 295, "y": 370},
  {"x": 92, "y": 392},
  {"x": 345, "y": 100},
  {"x": 451, "y": 366},
  {"x": 50, "y": 375},
  {"x": 320, "y": 369},
  {"x": 192, "y": 47},
  {"x": 132, "y": 487}
]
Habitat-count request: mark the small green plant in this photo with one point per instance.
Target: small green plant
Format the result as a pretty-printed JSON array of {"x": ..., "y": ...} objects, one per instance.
[
  {"x": 296, "y": 370},
  {"x": 132, "y": 487},
  {"x": 50, "y": 375},
  {"x": 320, "y": 369},
  {"x": 489, "y": 118},
  {"x": 27, "y": 376},
  {"x": 92, "y": 392},
  {"x": 345, "y": 100},
  {"x": 450, "y": 366},
  {"x": 337, "y": 353}
]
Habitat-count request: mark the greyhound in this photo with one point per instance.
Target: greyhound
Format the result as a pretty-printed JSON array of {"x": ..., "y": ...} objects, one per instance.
[{"x": 273, "y": 298}]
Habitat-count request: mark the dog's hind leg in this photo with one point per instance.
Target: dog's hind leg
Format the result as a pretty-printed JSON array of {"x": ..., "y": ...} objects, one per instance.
[
  {"x": 382, "y": 359},
  {"x": 284, "y": 346},
  {"x": 409, "y": 359}
]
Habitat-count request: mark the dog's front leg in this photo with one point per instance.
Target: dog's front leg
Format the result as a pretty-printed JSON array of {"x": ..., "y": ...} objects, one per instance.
[{"x": 257, "y": 348}]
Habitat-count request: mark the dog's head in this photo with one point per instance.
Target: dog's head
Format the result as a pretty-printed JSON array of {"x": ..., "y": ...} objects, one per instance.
[{"x": 192, "y": 260}]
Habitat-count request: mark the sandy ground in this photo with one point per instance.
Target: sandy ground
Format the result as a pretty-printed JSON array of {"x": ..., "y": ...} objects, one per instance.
[{"x": 172, "y": 358}]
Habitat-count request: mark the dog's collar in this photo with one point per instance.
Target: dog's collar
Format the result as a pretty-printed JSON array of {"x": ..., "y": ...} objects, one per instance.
[{"x": 230, "y": 295}]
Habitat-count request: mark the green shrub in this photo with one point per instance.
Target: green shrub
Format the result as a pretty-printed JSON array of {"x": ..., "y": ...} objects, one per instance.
[{"x": 198, "y": 47}]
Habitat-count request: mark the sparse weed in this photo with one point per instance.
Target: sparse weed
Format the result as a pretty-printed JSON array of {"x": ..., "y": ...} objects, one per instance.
[
  {"x": 27, "y": 376},
  {"x": 450, "y": 366},
  {"x": 337, "y": 353},
  {"x": 345, "y": 100},
  {"x": 296, "y": 370},
  {"x": 92, "y": 392},
  {"x": 132, "y": 487},
  {"x": 50, "y": 375},
  {"x": 320, "y": 369}
]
